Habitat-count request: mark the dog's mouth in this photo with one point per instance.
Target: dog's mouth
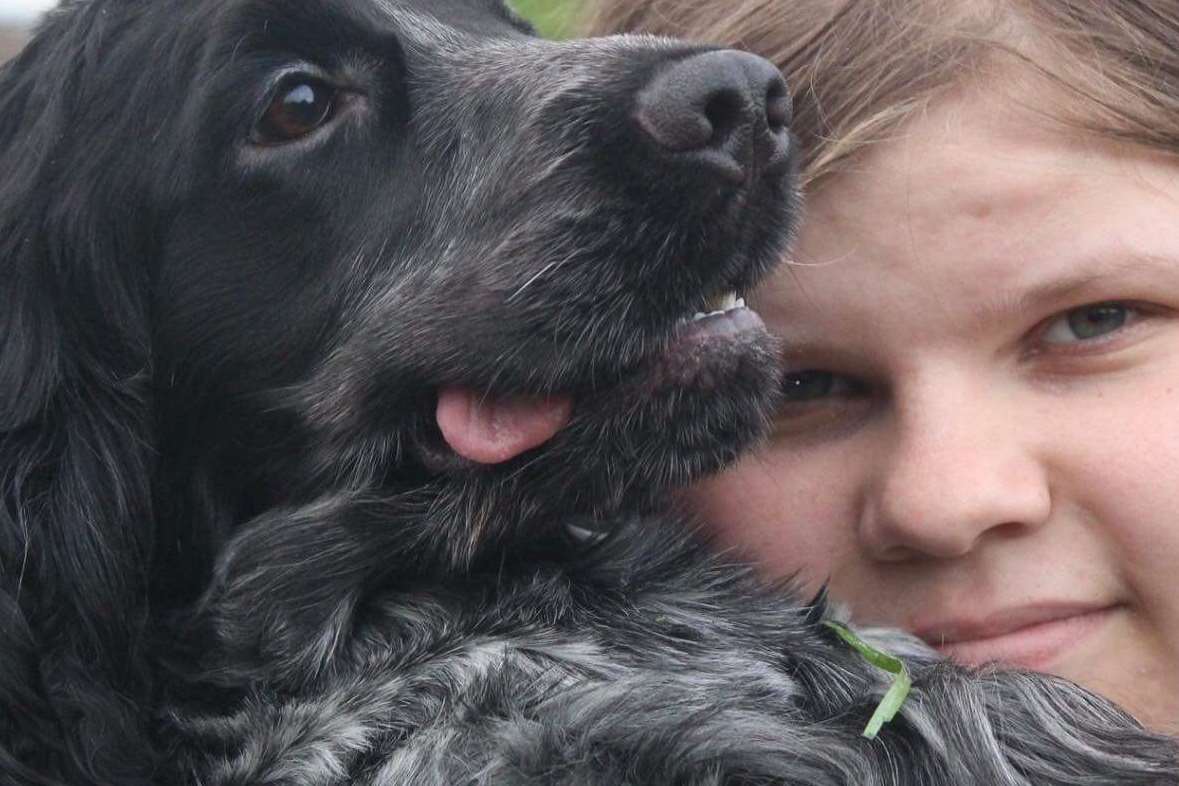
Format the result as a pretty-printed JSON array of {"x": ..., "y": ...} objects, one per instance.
[{"x": 700, "y": 353}]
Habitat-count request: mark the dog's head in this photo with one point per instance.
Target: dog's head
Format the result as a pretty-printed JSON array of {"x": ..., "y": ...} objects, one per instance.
[
  {"x": 253, "y": 252},
  {"x": 287, "y": 236}
]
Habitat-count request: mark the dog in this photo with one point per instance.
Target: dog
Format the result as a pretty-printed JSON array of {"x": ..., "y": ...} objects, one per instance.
[{"x": 351, "y": 354}]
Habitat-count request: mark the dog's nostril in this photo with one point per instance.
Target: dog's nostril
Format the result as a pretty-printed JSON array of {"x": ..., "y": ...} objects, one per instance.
[
  {"x": 779, "y": 109},
  {"x": 722, "y": 110},
  {"x": 726, "y": 112}
]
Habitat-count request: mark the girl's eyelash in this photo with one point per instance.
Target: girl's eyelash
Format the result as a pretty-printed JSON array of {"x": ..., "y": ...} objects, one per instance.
[{"x": 1104, "y": 321}]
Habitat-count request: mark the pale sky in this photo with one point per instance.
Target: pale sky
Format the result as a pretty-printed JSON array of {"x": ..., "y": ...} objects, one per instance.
[{"x": 23, "y": 11}]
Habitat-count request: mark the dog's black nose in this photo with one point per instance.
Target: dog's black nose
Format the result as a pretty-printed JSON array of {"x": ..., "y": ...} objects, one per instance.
[{"x": 724, "y": 110}]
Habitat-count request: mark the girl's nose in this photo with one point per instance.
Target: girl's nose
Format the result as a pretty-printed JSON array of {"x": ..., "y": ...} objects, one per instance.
[{"x": 957, "y": 463}]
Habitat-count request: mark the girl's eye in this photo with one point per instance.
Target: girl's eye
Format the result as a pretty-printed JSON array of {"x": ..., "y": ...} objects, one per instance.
[
  {"x": 1087, "y": 323},
  {"x": 813, "y": 384},
  {"x": 817, "y": 402},
  {"x": 301, "y": 105}
]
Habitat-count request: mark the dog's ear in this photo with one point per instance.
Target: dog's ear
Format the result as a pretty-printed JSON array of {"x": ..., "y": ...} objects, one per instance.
[
  {"x": 65, "y": 266},
  {"x": 75, "y": 439},
  {"x": 29, "y": 335}
]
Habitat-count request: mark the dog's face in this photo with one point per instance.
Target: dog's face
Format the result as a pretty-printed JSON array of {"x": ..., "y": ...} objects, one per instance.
[{"x": 360, "y": 204}]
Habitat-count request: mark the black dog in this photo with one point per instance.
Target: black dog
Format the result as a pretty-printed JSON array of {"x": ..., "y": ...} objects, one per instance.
[{"x": 265, "y": 267}]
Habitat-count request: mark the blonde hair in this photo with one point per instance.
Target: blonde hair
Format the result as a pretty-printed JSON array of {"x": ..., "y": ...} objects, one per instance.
[{"x": 860, "y": 68}]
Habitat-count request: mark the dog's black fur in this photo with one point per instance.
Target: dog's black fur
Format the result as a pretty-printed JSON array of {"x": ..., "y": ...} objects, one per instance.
[{"x": 234, "y": 547}]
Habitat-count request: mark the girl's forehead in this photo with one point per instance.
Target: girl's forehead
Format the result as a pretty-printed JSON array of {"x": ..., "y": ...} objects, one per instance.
[
  {"x": 978, "y": 203},
  {"x": 966, "y": 159}
]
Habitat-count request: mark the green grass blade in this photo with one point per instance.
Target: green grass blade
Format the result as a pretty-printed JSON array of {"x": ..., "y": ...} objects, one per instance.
[{"x": 897, "y": 692}]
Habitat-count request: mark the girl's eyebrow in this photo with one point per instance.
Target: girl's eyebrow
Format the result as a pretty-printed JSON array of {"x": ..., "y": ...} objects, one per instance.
[
  {"x": 1095, "y": 271},
  {"x": 1100, "y": 267},
  {"x": 1108, "y": 273},
  {"x": 802, "y": 346}
]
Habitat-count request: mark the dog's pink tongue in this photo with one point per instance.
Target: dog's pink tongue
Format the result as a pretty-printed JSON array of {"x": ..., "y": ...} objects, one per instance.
[{"x": 490, "y": 430}]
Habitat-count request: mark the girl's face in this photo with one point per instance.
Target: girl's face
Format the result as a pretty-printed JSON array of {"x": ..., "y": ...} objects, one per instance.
[{"x": 980, "y": 440}]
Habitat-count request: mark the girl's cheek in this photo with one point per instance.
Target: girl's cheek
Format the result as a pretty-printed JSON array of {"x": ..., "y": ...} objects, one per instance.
[{"x": 783, "y": 520}]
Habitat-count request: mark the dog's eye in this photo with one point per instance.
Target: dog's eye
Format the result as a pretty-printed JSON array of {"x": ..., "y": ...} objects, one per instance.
[{"x": 301, "y": 105}]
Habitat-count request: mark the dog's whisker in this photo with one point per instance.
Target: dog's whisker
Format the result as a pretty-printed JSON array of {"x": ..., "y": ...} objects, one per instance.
[{"x": 553, "y": 266}]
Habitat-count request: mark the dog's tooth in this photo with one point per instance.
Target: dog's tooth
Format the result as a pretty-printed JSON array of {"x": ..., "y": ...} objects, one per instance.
[{"x": 720, "y": 304}]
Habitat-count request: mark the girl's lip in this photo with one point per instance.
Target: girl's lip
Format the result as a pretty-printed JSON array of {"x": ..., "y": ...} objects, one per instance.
[{"x": 1030, "y": 637}]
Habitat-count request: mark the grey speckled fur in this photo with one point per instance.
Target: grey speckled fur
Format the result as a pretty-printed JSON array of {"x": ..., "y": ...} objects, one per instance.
[{"x": 645, "y": 660}]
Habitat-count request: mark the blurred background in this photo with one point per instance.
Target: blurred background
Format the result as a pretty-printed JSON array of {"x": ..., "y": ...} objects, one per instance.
[
  {"x": 15, "y": 17},
  {"x": 554, "y": 18}
]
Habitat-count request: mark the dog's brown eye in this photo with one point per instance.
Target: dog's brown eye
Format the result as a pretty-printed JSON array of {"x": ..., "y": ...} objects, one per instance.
[{"x": 300, "y": 106}]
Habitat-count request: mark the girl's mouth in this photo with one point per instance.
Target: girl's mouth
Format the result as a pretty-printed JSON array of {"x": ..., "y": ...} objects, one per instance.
[{"x": 1031, "y": 637}]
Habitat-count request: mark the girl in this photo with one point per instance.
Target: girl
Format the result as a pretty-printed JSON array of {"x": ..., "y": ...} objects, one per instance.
[{"x": 980, "y": 435}]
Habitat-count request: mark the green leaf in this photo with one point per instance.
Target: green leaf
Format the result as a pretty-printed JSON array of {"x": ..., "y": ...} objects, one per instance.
[{"x": 897, "y": 692}]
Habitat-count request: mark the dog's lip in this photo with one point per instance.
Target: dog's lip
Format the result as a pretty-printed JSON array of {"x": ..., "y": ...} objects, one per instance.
[
  {"x": 716, "y": 324},
  {"x": 697, "y": 354}
]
